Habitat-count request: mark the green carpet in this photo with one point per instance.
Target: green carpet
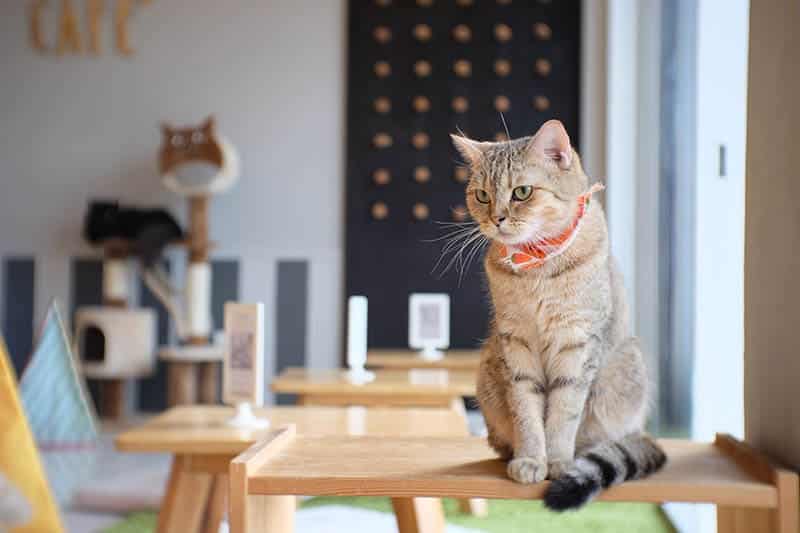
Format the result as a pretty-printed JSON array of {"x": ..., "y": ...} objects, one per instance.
[{"x": 505, "y": 516}]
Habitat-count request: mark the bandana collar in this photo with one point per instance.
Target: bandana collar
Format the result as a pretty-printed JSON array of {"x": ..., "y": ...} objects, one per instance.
[{"x": 525, "y": 256}]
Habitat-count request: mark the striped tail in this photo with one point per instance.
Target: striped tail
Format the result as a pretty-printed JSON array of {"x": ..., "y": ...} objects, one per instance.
[{"x": 603, "y": 465}]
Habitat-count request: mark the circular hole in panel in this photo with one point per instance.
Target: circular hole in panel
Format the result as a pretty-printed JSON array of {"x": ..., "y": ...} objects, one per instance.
[
  {"x": 423, "y": 68},
  {"x": 421, "y": 104},
  {"x": 462, "y": 68},
  {"x": 460, "y": 104},
  {"x": 542, "y": 67},
  {"x": 422, "y": 33},
  {"x": 382, "y": 34},
  {"x": 382, "y": 140},
  {"x": 462, "y": 33},
  {"x": 422, "y": 174},
  {"x": 503, "y": 33},
  {"x": 461, "y": 174},
  {"x": 502, "y": 67},
  {"x": 502, "y": 103},
  {"x": 382, "y": 105},
  {"x": 542, "y": 31},
  {"x": 421, "y": 211},
  {"x": 460, "y": 213},
  {"x": 420, "y": 140},
  {"x": 379, "y": 210},
  {"x": 381, "y": 176},
  {"x": 541, "y": 103},
  {"x": 383, "y": 69}
]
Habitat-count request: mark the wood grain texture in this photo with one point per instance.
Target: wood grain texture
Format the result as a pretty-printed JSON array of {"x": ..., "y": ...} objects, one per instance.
[
  {"x": 186, "y": 500},
  {"x": 387, "y": 383},
  {"x": 468, "y": 360},
  {"x": 465, "y": 467},
  {"x": 771, "y": 291},
  {"x": 248, "y": 514},
  {"x": 202, "y": 430}
]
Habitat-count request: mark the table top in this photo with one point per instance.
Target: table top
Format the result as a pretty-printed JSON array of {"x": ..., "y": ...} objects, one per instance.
[
  {"x": 406, "y": 359},
  {"x": 428, "y": 382},
  {"x": 465, "y": 467},
  {"x": 203, "y": 428}
]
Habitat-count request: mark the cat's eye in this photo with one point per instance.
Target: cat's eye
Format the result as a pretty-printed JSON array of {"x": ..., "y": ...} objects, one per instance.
[
  {"x": 522, "y": 193},
  {"x": 482, "y": 196},
  {"x": 198, "y": 137},
  {"x": 177, "y": 141}
]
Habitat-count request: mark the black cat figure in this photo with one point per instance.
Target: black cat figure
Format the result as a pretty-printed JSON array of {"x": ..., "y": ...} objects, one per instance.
[{"x": 148, "y": 230}]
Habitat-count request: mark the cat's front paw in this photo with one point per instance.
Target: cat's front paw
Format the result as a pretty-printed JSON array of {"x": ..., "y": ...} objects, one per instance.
[
  {"x": 556, "y": 469},
  {"x": 527, "y": 470}
]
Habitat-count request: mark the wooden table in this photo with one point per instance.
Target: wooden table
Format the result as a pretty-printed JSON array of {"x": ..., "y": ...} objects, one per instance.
[
  {"x": 467, "y": 360},
  {"x": 203, "y": 446},
  {"x": 751, "y": 494},
  {"x": 396, "y": 388}
]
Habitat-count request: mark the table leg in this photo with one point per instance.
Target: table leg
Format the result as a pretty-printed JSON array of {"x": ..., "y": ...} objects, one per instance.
[
  {"x": 268, "y": 514},
  {"x": 186, "y": 500},
  {"x": 477, "y": 507},
  {"x": 217, "y": 504},
  {"x": 419, "y": 515}
]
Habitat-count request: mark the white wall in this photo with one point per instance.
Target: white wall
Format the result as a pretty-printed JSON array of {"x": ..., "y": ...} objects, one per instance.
[{"x": 79, "y": 127}]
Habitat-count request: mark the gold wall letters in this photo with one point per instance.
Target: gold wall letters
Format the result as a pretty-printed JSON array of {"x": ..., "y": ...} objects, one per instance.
[{"x": 69, "y": 37}]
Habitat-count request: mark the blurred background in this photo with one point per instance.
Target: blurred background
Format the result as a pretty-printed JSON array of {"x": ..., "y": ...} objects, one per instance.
[{"x": 340, "y": 113}]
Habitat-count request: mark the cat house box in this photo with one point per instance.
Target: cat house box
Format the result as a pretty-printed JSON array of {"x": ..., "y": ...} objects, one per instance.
[{"x": 114, "y": 342}]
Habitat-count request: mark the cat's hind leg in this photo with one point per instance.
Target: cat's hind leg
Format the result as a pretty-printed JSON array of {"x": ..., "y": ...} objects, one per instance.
[{"x": 617, "y": 404}]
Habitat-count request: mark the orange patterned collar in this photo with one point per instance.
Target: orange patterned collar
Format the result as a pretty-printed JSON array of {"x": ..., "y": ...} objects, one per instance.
[{"x": 520, "y": 257}]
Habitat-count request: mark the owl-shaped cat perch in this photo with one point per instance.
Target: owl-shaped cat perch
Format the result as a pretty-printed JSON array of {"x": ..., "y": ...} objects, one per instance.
[{"x": 195, "y": 163}]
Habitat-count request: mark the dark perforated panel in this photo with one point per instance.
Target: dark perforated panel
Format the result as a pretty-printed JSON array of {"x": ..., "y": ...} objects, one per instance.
[{"x": 413, "y": 67}]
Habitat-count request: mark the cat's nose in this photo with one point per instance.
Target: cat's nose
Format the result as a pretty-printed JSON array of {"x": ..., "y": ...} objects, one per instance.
[{"x": 498, "y": 221}]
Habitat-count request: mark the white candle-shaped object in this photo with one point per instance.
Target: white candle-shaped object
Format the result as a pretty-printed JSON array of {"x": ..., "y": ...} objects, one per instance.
[{"x": 357, "y": 333}]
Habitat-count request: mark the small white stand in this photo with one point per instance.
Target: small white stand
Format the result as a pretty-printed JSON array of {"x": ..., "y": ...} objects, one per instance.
[
  {"x": 357, "y": 341},
  {"x": 245, "y": 419},
  {"x": 360, "y": 376},
  {"x": 430, "y": 353}
]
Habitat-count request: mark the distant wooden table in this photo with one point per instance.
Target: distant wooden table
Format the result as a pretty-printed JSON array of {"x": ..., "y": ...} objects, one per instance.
[
  {"x": 467, "y": 360},
  {"x": 395, "y": 388},
  {"x": 203, "y": 445},
  {"x": 751, "y": 494}
]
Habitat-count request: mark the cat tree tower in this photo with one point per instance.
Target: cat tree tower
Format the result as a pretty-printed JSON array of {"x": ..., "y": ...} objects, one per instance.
[{"x": 195, "y": 163}]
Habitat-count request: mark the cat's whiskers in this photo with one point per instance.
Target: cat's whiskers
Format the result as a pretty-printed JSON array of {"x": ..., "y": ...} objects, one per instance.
[{"x": 454, "y": 239}]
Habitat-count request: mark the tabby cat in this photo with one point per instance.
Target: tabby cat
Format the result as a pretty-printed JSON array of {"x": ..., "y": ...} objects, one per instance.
[{"x": 562, "y": 384}]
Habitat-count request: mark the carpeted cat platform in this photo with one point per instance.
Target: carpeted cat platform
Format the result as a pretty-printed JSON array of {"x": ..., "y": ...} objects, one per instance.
[{"x": 339, "y": 515}]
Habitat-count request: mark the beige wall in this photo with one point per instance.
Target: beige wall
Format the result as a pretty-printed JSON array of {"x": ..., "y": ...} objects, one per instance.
[
  {"x": 772, "y": 232},
  {"x": 75, "y": 128}
]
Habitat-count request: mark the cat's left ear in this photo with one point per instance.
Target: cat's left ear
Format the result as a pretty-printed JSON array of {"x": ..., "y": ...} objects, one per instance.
[
  {"x": 552, "y": 142},
  {"x": 471, "y": 151},
  {"x": 166, "y": 129},
  {"x": 208, "y": 125}
]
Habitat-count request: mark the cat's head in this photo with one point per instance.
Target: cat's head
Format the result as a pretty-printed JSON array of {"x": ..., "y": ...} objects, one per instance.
[
  {"x": 524, "y": 189},
  {"x": 189, "y": 145}
]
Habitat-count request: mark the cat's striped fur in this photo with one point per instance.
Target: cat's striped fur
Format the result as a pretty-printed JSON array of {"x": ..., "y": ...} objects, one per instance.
[{"x": 562, "y": 384}]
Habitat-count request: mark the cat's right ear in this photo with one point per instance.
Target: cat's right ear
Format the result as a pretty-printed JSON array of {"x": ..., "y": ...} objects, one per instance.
[{"x": 471, "y": 151}]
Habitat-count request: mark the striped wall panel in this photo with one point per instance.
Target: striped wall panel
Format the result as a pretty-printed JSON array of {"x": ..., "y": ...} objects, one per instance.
[
  {"x": 18, "y": 302},
  {"x": 291, "y": 312},
  {"x": 86, "y": 279}
]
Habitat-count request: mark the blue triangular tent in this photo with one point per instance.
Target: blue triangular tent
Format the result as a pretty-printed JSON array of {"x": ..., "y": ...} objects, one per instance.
[{"x": 61, "y": 417}]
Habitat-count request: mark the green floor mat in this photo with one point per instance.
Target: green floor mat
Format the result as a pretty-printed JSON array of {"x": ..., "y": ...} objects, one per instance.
[{"x": 505, "y": 516}]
